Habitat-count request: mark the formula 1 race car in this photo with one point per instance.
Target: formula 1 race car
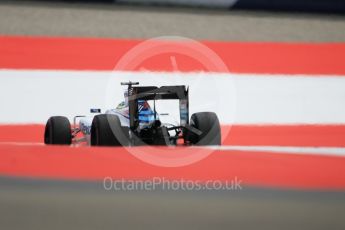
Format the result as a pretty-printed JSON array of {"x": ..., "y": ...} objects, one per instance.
[{"x": 134, "y": 123}]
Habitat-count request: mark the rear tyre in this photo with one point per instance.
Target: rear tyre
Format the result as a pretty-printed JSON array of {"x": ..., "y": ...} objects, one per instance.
[
  {"x": 208, "y": 124},
  {"x": 58, "y": 131},
  {"x": 106, "y": 130}
]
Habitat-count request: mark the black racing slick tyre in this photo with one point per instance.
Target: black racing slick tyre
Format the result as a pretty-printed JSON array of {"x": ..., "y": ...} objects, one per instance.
[
  {"x": 106, "y": 130},
  {"x": 58, "y": 131},
  {"x": 208, "y": 124}
]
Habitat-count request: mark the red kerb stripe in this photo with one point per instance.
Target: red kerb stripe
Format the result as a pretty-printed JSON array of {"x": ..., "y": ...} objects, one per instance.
[
  {"x": 252, "y": 168},
  {"x": 18, "y": 52},
  {"x": 265, "y": 135}
]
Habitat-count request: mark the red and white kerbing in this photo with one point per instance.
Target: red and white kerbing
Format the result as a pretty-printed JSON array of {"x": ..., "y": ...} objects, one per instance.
[{"x": 289, "y": 100}]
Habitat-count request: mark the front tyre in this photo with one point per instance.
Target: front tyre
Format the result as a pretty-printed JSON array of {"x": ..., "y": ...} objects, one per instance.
[
  {"x": 208, "y": 124},
  {"x": 58, "y": 131}
]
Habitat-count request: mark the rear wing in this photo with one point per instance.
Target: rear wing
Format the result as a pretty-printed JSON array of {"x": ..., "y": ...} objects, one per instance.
[{"x": 179, "y": 92}]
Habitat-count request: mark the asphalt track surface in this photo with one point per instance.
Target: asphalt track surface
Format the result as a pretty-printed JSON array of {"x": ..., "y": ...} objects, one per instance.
[
  {"x": 122, "y": 21},
  {"x": 41, "y": 204},
  {"x": 48, "y": 204}
]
